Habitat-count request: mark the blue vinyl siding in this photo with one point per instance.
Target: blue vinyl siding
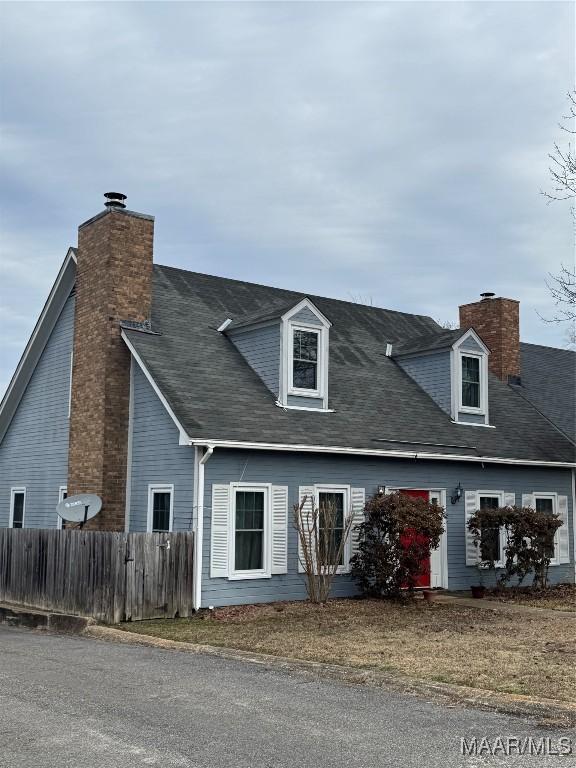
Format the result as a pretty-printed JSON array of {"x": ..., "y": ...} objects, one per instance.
[
  {"x": 293, "y": 470},
  {"x": 34, "y": 452},
  {"x": 471, "y": 345},
  {"x": 471, "y": 418},
  {"x": 301, "y": 401},
  {"x": 432, "y": 373},
  {"x": 157, "y": 457},
  {"x": 260, "y": 347},
  {"x": 306, "y": 317}
]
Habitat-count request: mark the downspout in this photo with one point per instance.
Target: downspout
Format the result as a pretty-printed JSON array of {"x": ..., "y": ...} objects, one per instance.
[
  {"x": 574, "y": 519},
  {"x": 199, "y": 529}
]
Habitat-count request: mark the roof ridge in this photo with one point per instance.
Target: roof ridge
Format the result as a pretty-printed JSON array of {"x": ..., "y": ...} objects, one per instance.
[
  {"x": 301, "y": 294},
  {"x": 546, "y": 346}
]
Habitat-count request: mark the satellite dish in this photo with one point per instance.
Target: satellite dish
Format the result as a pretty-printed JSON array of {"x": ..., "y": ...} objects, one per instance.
[{"x": 79, "y": 508}]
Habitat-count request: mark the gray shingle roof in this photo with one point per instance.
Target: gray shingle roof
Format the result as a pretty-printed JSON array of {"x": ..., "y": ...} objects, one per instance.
[
  {"x": 428, "y": 342},
  {"x": 216, "y": 395},
  {"x": 549, "y": 383}
]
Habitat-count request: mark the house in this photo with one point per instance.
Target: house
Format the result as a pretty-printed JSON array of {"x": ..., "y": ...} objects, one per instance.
[{"x": 193, "y": 402}]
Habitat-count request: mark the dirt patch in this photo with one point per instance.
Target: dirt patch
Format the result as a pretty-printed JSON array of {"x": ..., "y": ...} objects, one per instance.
[
  {"x": 559, "y": 597},
  {"x": 491, "y": 650}
]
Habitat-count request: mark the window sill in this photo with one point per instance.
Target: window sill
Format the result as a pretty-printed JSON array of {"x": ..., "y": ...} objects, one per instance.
[
  {"x": 311, "y": 393},
  {"x": 245, "y": 575},
  {"x": 303, "y": 408},
  {"x": 473, "y": 424}
]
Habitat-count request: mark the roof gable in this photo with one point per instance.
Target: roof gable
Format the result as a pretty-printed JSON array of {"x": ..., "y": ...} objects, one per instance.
[{"x": 54, "y": 305}]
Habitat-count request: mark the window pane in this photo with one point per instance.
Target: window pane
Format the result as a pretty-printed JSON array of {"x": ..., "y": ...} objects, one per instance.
[
  {"x": 331, "y": 526},
  {"x": 249, "y": 553},
  {"x": 161, "y": 511},
  {"x": 305, "y": 362},
  {"x": 249, "y": 538},
  {"x": 471, "y": 382},
  {"x": 305, "y": 345},
  {"x": 304, "y": 375},
  {"x": 545, "y": 505},
  {"x": 18, "y": 507},
  {"x": 490, "y": 536},
  {"x": 470, "y": 395}
]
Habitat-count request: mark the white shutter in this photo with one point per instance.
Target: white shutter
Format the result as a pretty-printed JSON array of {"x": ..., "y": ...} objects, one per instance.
[
  {"x": 358, "y": 502},
  {"x": 509, "y": 499},
  {"x": 308, "y": 492},
  {"x": 528, "y": 500},
  {"x": 563, "y": 536},
  {"x": 279, "y": 529},
  {"x": 470, "y": 507},
  {"x": 219, "y": 545}
]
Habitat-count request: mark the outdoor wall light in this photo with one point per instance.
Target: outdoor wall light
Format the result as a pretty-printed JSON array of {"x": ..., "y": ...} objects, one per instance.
[
  {"x": 381, "y": 490},
  {"x": 457, "y": 495}
]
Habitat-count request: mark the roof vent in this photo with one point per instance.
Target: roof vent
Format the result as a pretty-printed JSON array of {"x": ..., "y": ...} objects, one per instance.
[
  {"x": 487, "y": 295},
  {"x": 114, "y": 200}
]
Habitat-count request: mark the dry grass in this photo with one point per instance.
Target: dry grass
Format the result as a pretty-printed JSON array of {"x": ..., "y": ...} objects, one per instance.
[
  {"x": 493, "y": 650},
  {"x": 560, "y": 597}
]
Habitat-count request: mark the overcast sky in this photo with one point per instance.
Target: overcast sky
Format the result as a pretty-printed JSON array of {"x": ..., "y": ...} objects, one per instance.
[{"x": 388, "y": 152}]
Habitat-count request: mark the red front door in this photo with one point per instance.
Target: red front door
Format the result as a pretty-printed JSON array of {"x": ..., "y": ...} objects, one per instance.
[{"x": 409, "y": 535}]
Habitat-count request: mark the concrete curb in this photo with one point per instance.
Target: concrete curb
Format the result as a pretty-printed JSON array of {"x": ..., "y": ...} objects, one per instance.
[
  {"x": 34, "y": 618},
  {"x": 549, "y": 710}
]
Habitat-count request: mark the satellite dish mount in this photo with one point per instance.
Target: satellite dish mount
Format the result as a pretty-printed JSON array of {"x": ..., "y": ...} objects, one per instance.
[{"x": 79, "y": 508}]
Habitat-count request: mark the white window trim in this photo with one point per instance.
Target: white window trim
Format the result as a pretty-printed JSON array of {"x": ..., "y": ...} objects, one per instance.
[
  {"x": 322, "y": 328},
  {"x": 481, "y": 409},
  {"x": 347, "y": 506},
  {"x": 554, "y": 496},
  {"x": 299, "y": 391},
  {"x": 266, "y": 571},
  {"x": 159, "y": 488},
  {"x": 13, "y": 491},
  {"x": 503, "y": 541},
  {"x": 61, "y": 491}
]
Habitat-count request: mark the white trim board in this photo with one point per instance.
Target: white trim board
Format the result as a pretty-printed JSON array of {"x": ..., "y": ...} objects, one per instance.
[{"x": 348, "y": 451}]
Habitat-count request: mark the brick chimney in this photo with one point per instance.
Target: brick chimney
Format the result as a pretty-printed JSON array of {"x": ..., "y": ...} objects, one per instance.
[
  {"x": 497, "y": 322},
  {"x": 113, "y": 283}
]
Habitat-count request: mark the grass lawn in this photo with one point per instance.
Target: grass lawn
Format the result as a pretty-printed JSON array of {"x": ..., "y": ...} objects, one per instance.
[
  {"x": 560, "y": 597},
  {"x": 493, "y": 650}
]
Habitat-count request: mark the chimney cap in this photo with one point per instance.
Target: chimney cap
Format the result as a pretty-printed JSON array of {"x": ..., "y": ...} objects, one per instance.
[
  {"x": 114, "y": 200},
  {"x": 487, "y": 295}
]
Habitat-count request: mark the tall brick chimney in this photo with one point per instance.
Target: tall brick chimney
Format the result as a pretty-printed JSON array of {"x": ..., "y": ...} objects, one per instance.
[
  {"x": 497, "y": 322},
  {"x": 113, "y": 283}
]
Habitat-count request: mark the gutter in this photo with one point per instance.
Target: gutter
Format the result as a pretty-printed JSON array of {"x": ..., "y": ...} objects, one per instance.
[
  {"x": 348, "y": 451},
  {"x": 198, "y": 501}
]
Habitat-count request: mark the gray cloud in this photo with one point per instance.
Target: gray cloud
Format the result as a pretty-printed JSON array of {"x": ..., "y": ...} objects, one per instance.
[{"x": 386, "y": 150}]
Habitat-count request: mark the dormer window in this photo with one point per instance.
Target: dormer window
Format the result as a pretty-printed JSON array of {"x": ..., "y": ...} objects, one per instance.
[
  {"x": 304, "y": 358},
  {"x": 470, "y": 381},
  {"x": 305, "y": 348}
]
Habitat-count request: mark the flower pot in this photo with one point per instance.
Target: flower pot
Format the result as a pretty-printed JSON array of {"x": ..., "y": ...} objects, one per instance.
[
  {"x": 429, "y": 595},
  {"x": 478, "y": 592}
]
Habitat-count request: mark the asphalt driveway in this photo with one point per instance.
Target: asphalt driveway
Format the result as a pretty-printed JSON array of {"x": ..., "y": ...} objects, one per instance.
[{"x": 84, "y": 703}]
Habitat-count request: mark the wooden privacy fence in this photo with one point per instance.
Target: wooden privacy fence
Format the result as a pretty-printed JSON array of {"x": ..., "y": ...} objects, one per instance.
[{"x": 104, "y": 574}]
